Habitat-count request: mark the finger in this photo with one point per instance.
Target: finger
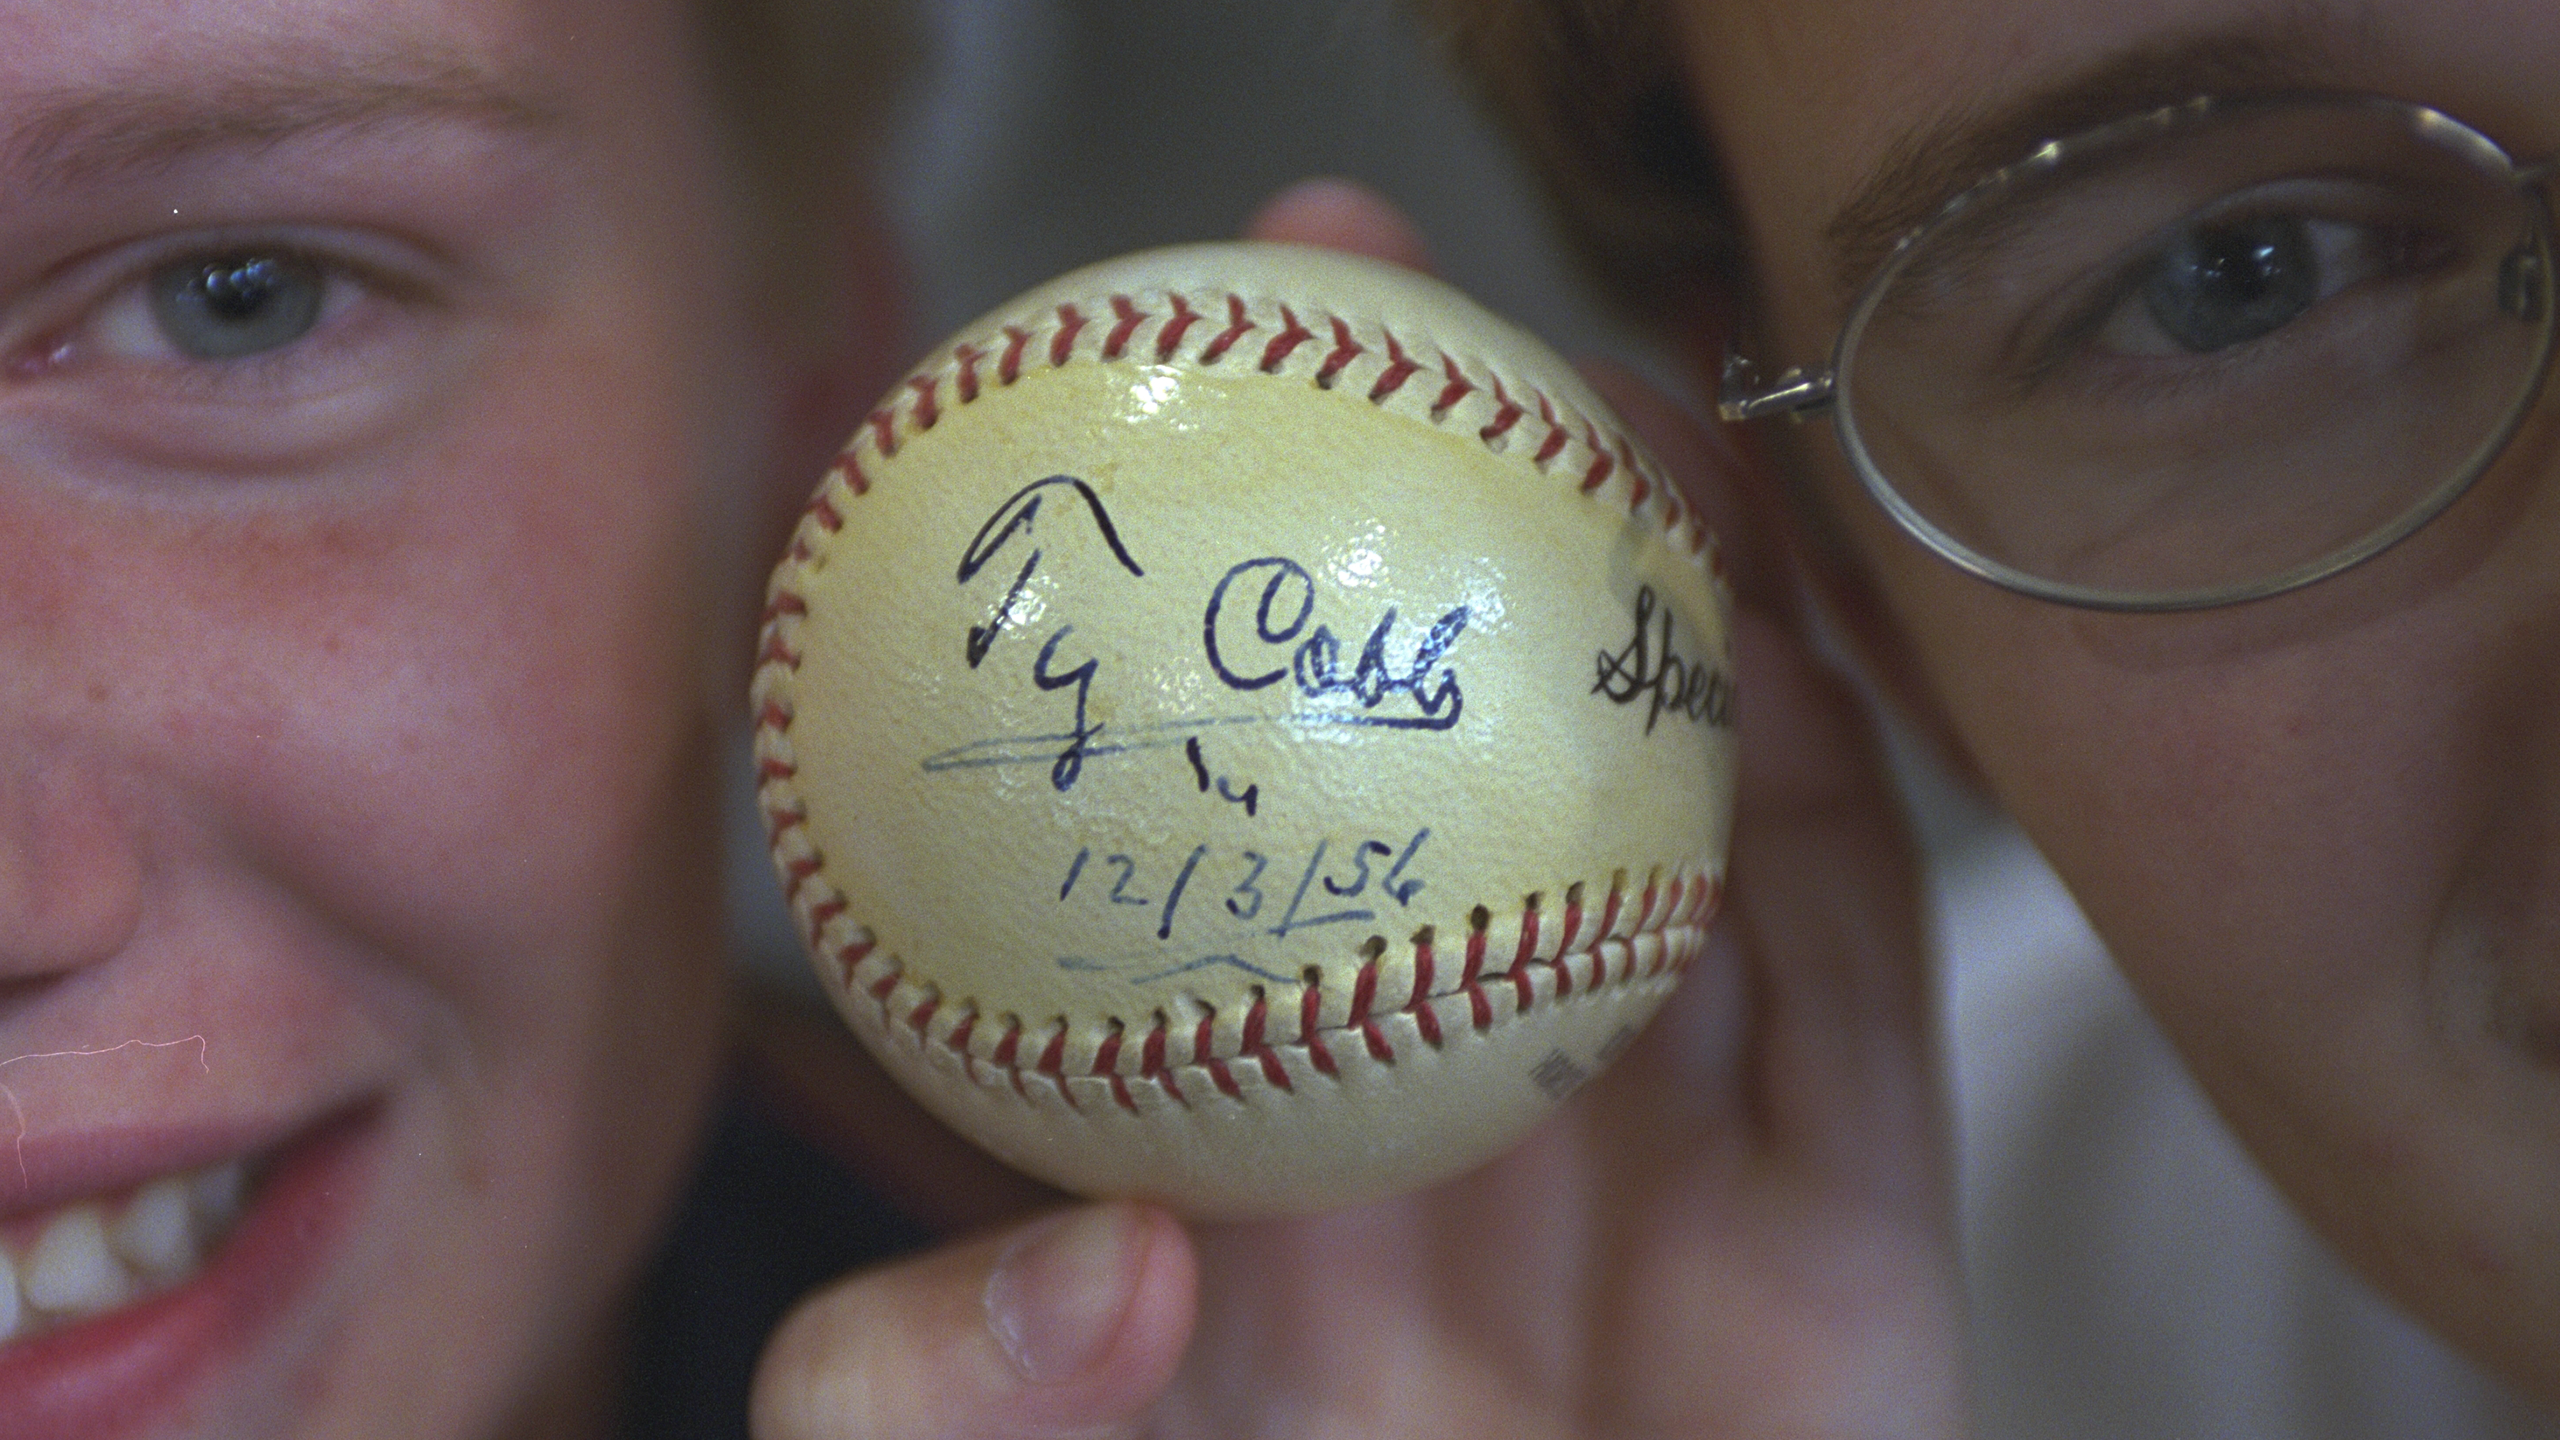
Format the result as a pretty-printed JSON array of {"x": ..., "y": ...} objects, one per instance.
[
  {"x": 1341, "y": 215},
  {"x": 1068, "y": 1326}
]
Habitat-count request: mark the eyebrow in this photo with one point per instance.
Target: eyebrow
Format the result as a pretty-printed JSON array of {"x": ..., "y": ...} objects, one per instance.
[
  {"x": 125, "y": 129},
  {"x": 1931, "y": 164}
]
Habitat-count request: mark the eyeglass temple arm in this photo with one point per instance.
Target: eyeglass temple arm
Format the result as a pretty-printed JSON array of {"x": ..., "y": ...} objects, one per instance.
[{"x": 1796, "y": 393}]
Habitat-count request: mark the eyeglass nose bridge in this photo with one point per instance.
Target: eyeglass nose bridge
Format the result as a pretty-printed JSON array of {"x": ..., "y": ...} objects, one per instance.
[{"x": 1797, "y": 393}]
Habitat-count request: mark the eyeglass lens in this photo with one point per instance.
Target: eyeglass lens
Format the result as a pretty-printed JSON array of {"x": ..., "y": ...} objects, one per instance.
[{"x": 2188, "y": 358}]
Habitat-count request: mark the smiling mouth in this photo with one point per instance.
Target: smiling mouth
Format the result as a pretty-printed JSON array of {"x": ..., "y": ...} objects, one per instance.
[{"x": 94, "y": 1256}]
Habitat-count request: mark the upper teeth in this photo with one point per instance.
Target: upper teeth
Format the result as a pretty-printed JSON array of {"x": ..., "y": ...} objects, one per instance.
[{"x": 91, "y": 1257}]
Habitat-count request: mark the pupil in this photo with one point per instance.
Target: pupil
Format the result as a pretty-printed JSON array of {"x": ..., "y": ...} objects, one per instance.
[
  {"x": 229, "y": 306},
  {"x": 235, "y": 290},
  {"x": 2233, "y": 283}
]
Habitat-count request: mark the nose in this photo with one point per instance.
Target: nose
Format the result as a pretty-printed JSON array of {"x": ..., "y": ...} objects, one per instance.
[{"x": 70, "y": 876}]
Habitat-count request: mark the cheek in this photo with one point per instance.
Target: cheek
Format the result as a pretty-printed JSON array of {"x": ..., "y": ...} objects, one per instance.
[
  {"x": 459, "y": 715},
  {"x": 513, "y": 688}
]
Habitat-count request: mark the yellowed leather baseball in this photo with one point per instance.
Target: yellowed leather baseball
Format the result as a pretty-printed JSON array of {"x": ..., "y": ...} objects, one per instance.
[{"x": 1244, "y": 727}]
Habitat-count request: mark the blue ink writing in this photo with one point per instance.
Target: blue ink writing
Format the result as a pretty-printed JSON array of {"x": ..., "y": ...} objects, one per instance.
[{"x": 1281, "y": 612}]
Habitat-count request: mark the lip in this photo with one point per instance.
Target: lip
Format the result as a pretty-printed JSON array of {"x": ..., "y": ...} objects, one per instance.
[
  {"x": 109, "y": 1376},
  {"x": 42, "y": 1172}
]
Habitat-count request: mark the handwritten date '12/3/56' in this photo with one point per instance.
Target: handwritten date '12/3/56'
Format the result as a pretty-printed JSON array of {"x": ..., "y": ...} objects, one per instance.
[{"x": 1229, "y": 895}]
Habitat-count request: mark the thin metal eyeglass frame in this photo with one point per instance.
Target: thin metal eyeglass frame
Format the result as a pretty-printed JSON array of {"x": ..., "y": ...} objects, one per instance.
[{"x": 1799, "y": 394}]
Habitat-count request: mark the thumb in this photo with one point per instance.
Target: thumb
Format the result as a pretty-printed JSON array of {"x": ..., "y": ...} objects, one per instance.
[{"x": 1068, "y": 1326}]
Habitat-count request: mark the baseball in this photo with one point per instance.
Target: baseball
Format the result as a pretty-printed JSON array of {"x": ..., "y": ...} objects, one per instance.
[{"x": 1243, "y": 727}]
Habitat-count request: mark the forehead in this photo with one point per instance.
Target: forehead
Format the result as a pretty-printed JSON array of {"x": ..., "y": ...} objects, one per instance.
[
  {"x": 499, "y": 54},
  {"x": 1840, "y": 123}
]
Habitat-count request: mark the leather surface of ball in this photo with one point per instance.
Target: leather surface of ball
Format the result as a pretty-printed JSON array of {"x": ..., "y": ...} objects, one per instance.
[{"x": 1244, "y": 727}]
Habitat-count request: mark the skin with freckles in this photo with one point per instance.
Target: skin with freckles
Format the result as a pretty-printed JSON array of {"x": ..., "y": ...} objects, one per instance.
[
  {"x": 361, "y": 646},
  {"x": 2318, "y": 832}
]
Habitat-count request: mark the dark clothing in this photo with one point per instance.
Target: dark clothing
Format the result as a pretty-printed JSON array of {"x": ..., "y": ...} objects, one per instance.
[{"x": 769, "y": 1218}]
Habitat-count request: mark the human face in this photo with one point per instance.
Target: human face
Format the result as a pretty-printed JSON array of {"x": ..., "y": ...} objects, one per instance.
[
  {"x": 2320, "y": 832},
  {"x": 353, "y": 697}
]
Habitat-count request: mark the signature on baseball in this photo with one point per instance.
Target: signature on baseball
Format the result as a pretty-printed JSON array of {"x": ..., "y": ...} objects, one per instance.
[
  {"x": 1648, "y": 669},
  {"x": 1258, "y": 627}
]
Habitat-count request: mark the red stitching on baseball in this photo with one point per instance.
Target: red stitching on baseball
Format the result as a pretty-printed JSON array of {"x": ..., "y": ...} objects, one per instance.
[
  {"x": 1287, "y": 340},
  {"x": 1319, "y": 1055},
  {"x": 1053, "y": 1060},
  {"x": 823, "y": 510},
  {"x": 1425, "y": 1018},
  {"x": 797, "y": 873},
  {"x": 926, "y": 410},
  {"x": 1345, "y": 350},
  {"x": 1255, "y": 1049},
  {"x": 781, "y": 820},
  {"x": 1378, "y": 1047},
  {"x": 824, "y": 911},
  {"x": 1009, "y": 368},
  {"x": 1673, "y": 947},
  {"x": 1644, "y": 487},
  {"x": 1556, "y": 436},
  {"x": 1507, "y": 413},
  {"x": 1131, "y": 317},
  {"x": 1400, "y": 368},
  {"x": 1239, "y": 325},
  {"x": 968, "y": 356},
  {"x": 1458, "y": 388},
  {"x": 775, "y": 649},
  {"x": 884, "y": 431},
  {"x": 855, "y": 480},
  {"x": 1063, "y": 344},
  {"x": 1602, "y": 463},
  {"x": 1106, "y": 1063},
  {"x": 1169, "y": 335}
]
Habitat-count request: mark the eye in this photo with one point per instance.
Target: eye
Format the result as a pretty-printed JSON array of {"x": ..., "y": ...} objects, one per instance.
[
  {"x": 227, "y": 306},
  {"x": 246, "y": 352},
  {"x": 2226, "y": 282},
  {"x": 207, "y": 307}
]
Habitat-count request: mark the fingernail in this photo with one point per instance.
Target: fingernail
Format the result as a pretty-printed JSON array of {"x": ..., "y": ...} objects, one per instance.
[{"x": 1060, "y": 1290}]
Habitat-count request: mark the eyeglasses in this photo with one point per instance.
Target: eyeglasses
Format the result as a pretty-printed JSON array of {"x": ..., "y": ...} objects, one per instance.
[{"x": 2199, "y": 356}]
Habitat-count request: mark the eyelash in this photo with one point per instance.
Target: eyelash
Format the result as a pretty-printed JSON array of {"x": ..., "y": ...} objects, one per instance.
[
  {"x": 93, "y": 374},
  {"x": 60, "y": 333}
]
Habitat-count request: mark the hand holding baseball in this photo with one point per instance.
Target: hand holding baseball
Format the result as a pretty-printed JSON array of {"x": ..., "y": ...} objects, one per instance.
[{"x": 1740, "y": 1228}]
